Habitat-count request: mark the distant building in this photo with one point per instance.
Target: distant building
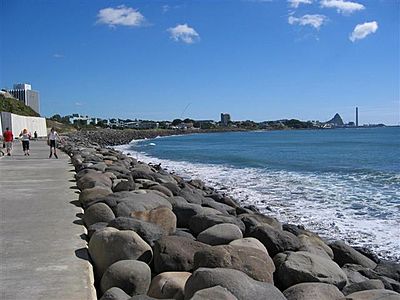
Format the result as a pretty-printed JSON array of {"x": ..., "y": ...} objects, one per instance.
[
  {"x": 356, "y": 116},
  {"x": 24, "y": 93},
  {"x": 225, "y": 119},
  {"x": 78, "y": 119}
]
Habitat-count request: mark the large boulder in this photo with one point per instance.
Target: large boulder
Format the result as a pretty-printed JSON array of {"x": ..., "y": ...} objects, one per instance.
[
  {"x": 93, "y": 179},
  {"x": 175, "y": 253},
  {"x": 115, "y": 293},
  {"x": 213, "y": 293},
  {"x": 374, "y": 295},
  {"x": 254, "y": 262},
  {"x": 149, "y": 232},
  {"x": 124, "y": 185},
  {"x": 315, "y": 245},
  {"x": 313, "y": 290},
  {"x": 297, "y": 267},
  {"x": 344, "y": 254},
  {"x": 169, "y": 285},
  {"x": 236, "y": 282},
  {"x": 371, "y": 284},
  {"x": 89, "y": 195},
  {"x": 220, "y": 234},
  {"x": 275, "y": 240},
  {"x": 98, "y": 212},
  {"x": 161, "y": 216},
  {"x": 251, "y": 243},
  {"x": 132, "y": 276},
  {"x": 192, "y": 195},
  {"x": 252, "y": 220},
  {"x": 199, "y": 223},
  {"x": 162, "y": 189},
  {"x": 134, "y": 201},
  {"x": 185, "y": 211},
  {"x": 389, "y": 269},
  {"x": 110, "y": 245}
]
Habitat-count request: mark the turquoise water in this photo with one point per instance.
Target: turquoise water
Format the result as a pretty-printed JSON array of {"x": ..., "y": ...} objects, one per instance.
[{"x": 342, "y": 183}]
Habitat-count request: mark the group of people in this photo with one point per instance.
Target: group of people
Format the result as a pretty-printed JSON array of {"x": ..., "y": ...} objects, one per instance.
[{"x": 25, "y": 136}]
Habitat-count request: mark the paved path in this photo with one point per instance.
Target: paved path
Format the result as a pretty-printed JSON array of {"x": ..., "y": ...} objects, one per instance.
[{"x": 42, "y": 253}]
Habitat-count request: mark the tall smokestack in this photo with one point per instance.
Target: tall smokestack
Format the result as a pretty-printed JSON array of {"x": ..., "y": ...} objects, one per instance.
[{"x": 356, "y": 116}]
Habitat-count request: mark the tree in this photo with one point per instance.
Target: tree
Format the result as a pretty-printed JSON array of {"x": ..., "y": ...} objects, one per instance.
[{"x": 176, "y": 122}]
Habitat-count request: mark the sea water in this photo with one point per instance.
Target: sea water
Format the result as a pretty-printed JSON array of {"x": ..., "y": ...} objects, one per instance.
[{"x": 342, "y": 183}]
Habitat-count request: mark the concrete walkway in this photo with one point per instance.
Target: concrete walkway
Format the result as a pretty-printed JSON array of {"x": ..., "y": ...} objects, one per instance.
[{"x": 43, "y": 251}]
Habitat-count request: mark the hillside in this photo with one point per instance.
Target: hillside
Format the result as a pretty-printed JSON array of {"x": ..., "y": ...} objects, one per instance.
[{"x": 15, "y": 106}]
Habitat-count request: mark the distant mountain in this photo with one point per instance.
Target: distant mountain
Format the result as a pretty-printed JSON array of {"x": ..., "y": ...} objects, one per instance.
[{"x": 336, "y": 120}]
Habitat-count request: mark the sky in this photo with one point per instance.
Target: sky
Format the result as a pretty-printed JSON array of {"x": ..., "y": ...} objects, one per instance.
[{"x": 161, "y": 60}]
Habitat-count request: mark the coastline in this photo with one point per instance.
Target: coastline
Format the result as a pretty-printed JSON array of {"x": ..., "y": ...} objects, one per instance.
[{"x": 88, "y": 153}]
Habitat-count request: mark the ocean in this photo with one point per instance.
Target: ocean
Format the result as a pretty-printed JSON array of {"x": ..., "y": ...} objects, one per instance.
[{"x": 341, "y": 183}]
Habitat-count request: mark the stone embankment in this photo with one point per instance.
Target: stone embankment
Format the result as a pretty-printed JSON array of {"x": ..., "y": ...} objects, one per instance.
[{"x": 154, "y": 235}]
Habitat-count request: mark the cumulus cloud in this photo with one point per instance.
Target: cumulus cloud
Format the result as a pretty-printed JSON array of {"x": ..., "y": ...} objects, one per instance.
[
  {"x": 342, "y": 6},
  {"x": 184, "y": 33},
  {"x": 296, "y": 3},
  {"x": 362, "y": 30},
  {"x": 315, "y": 21},
  {"x": 120, "y": 16}
]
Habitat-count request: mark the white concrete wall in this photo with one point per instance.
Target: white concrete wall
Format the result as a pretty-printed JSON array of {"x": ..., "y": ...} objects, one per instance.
[{"x": 17, "y": 123}]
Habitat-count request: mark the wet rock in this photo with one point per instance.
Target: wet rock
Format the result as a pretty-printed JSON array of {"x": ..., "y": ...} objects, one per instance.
[
  {"x": 220, "y": 234},
  {"x": 344, "y": 254},
  {"x": 132, "y": 276},
  {"x": 317, "y": 291},
  {"x": 236, "y": 282},
  {"x": 169, "y": 285},
  {"x": 297, "y": 267}
]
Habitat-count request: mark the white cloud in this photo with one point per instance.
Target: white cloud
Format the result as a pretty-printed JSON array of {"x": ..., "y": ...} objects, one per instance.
[
  {"x": 315, "y": 21},
  {"x": 342, "y": 6},
  {"x": 58, "y": 55},
  {"x": 362, "y": 30},
  {"x": 121, "y": 15},
  {"x": 296, "y": 3},
  {"x": 184, "y": 33}
]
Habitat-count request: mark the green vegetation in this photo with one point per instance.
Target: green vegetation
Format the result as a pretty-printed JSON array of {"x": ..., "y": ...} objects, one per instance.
[{"x": 15, "y": 106}]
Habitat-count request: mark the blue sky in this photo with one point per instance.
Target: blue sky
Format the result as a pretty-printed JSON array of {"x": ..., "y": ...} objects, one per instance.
[{"x": 260, "y": 60}]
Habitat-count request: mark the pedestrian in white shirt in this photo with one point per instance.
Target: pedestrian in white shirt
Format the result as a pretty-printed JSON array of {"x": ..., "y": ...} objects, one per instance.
[{"x": 52, "y": 139}]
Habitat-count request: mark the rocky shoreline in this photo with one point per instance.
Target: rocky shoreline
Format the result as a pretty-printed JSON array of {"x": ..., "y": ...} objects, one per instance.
[{"x": 155, "y": 235}]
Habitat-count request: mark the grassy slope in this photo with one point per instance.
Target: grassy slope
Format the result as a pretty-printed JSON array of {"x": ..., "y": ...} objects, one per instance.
[{"x": 15, "y": 106}]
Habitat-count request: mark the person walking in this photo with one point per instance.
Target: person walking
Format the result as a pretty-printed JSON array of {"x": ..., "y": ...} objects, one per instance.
[
  {"x": 25, "y": 137},
  {"x": 8, "y": 139},
  {"x": 35, "y": 135},
  {"x": 52, "y": 142}
]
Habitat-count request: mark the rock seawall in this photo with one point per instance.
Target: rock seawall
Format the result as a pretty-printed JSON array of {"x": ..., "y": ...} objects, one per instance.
[{"x": 154, "y": 235}]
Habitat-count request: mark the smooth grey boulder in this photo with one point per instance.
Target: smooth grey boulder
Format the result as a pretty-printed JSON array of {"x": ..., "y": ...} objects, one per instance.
[
  {"x": 162, "y": 189},
  {"x": 313, "y": 290},
  {"x": 220, "y": 234},
  {"x": 344, "y": 254},
  {"x": 125, "y": 185},
  {"x": 176, "y": 201},
  {"x": 371, "y": 284},
  {"x": 251, "y": 243},
  {"x": 252, "y": 220},
  {"x": 185, "y": 211},
  {"x": 191, "y": 195},
  {"x": 93, "y": 179},
  {"x": 169, "y": 285},
  {"x": 98, "y": 212},
  {"x": 374, "y": 295},
  {"x": 139, "y": 202},
  {"x": 222, "y": 208},
  {"x": 213, "y": 293},
  {"x": 389, "y": 269},
  {"x": 115, "y": 293},
  {"x": 96, "y": 227},
  {"x": 175, "y": 253},
  {"x": 297, "y": 267},
  {"x": 254, "y": 262},
  {"x": 149, "y": 232},
  {"x": 236, "y": 282},
  {"x": 275, "y": 240},
  {"x": 142, "y": 174},
  {"x": 315, "y": 245},
  {"x": 87, "y": 196},
  {"x": 132, "y": 276},
  {"x": 184, "y": 232},
  {"x": 110, "y": 245},
  {"x": 100, "y": 166},
  {"x": 161, "y": 216},
  {"x": 199, "y": 223}
]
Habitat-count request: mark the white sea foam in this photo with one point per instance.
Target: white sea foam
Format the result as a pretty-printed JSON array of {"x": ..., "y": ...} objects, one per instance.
[{"x": 346, "y": 207}]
